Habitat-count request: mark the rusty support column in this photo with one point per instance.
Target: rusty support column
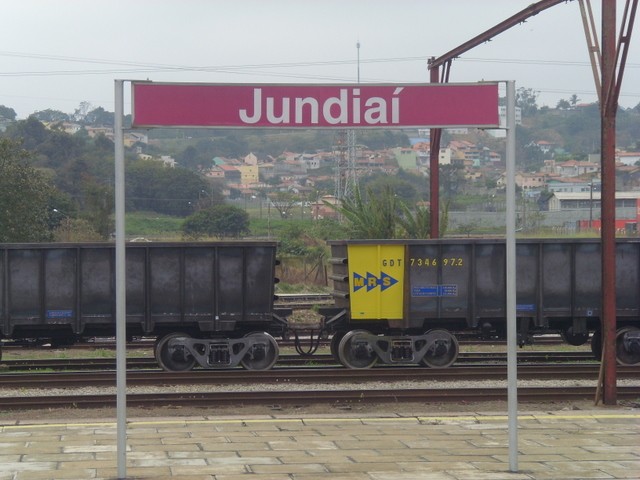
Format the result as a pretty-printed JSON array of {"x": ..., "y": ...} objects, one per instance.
[
  {"x": 608, "y": 108},
  {"x": 434, "y": 168}
]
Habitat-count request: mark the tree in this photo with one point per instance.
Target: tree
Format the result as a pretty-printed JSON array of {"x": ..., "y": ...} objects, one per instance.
[
  {"x": 451, "y": 179},
  {"x": 81, "y": 111},
  {"x": 526, "y": 99},
  {"x": 50, "y": 115},
  {"x": 218, "y": 221},
  {"x": 100, "y": 117},
  {"x": 99, "y": 205},
  {"x": 8, "y": 113},
  {"x": 24, "y": 197},
  {"x": 31, "y": 132},
  {"x": 401, "y": 188},
  {"x": 155, "y": 187},
  {"x": 573, "y": 100},
  {"x": 188, "y": 158},
  {"x": 75, "y": 230},
  {"x": 284, "y": 202}
]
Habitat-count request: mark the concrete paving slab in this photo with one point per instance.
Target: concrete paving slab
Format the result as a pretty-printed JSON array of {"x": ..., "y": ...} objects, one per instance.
[{"x": 598, "y": 444}]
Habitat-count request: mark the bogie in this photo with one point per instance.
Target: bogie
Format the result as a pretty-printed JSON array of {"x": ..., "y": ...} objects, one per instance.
[
  {"x": 180, "y": 352},
  {"x": 360, "y": 349}
]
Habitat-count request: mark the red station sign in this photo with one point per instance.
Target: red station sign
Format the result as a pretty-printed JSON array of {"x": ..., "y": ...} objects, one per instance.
[{"x": 314, "y": 106}]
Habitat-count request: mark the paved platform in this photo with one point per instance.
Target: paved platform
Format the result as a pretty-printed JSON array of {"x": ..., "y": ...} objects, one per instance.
[{"x": 598, "y": 444}]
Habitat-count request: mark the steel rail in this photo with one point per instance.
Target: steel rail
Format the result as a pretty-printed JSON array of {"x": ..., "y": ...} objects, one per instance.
[
  {"x": 309, "y": 375},
  {"x": 285, "y": 360},
  {"x": 334, "y": 398}
]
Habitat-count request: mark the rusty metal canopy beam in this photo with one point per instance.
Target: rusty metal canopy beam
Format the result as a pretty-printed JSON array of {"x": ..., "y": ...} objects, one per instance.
[
  {"x": 614, "y": 55},
  {"x": 512, "y": 21},
  {"x": 608, "y": 207}
]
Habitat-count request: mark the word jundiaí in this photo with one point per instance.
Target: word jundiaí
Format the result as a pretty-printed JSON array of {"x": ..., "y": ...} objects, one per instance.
[{"x": 349, "y": 108}]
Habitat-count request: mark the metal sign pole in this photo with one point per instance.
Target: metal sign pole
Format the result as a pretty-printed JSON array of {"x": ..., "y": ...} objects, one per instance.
[
  {"x": 121, "y": 310},
  {"x": 512, "y": 366}
]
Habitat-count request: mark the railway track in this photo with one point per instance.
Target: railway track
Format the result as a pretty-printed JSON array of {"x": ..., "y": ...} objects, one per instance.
[
  {"x": 285, "y": 360},
  {"x": 336, "y": 398},
  {"x": 285, "y": 386},
  {"x": 307, "y": 375}
]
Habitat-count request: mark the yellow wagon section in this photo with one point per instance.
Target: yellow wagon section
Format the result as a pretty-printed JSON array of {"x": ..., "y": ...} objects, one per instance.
[{"x": 376, "y": 278}]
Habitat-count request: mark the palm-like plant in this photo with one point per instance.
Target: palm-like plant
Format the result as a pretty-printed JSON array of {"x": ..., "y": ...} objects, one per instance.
[
  {"x": 415, "y": 224},
  {"x": 385, "y": 216},
  {"x": 370, "y": 217}
]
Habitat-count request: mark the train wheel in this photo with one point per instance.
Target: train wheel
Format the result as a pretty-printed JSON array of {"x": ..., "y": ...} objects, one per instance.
[
  {"x": 442, "y": 351},
  {"x": 335, "y": 343},
  {"x": 575, "y": 339},
  {"x": 354, "y": 353},
  {"x": 625, "y": 353},
  {"x": 263, "y": 354},
  {"x": 172, "y": 355},
  {"x": 596, "y": 345}
]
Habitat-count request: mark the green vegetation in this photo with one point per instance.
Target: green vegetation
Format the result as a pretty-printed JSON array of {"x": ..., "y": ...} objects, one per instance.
[
  {"x": 153, "y": 226},
  {"x": 383, "y": 214},
  {"x": 219, "y": 221},
  {"x": 24, "y": 197}
]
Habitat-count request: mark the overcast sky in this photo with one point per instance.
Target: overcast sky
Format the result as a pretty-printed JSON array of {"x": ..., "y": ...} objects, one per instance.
[{"x": 55, "y": 54}]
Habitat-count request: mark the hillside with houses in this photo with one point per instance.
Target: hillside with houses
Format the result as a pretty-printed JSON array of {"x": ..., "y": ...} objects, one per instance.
[{"x": 558, "y": 164}]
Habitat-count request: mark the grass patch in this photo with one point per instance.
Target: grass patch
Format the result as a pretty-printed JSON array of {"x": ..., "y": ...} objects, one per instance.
[{"x": 153, "y": 226}]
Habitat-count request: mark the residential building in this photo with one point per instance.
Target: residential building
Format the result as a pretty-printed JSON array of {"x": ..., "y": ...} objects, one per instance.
[
  {"x": 249, "y": 174},
  {"x": 312, "y": 161},
  {"x": 530, "y": 181},
  {"x": 320, "y": 209},
  {"x": 251, "y": 159},
  {"x": 291, "y": 166},
  {"x": 231, "y": 174},
  {"x": 628, "y": 158},
  {"x": 66, "y": 127},
  {"x": 444, "y": 156},
  {"x": 566, "y": 185},
  {"x": 214, "y": 172},
  {"x": 131, "y": 138},
  {"x": 571, "y": 201},
  {"x": 95, "y": 131},
  {"x": 575, "y": 168},
  {"x": 406, "y": 158}
]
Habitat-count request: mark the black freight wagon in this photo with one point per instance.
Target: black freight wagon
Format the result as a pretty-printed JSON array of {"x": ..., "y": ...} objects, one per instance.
[
  {"x": 207, "y": 303},
  {"x": 404, "y": 301}
]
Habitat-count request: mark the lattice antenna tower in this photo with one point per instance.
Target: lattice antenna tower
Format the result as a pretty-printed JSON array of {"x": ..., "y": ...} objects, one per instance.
[
  {"x": 339, "y": 151},
  {"x": 346, "y": 179}
]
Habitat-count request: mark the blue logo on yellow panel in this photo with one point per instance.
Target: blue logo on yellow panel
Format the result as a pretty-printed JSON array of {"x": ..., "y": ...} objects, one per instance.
[{"x": 370, "y": 281}]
